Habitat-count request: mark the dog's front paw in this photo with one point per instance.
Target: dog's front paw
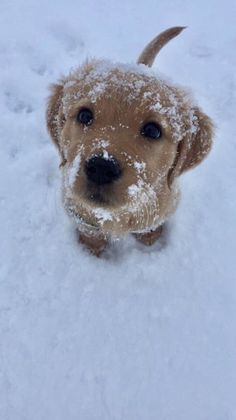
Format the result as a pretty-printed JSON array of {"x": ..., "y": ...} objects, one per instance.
[
  {"x": 151, "y": 237},
  {"x": 96, "y": 244}
]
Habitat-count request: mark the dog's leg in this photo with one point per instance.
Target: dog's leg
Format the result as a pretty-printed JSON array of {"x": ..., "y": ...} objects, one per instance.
[
  {"x": 150, "y": 237},
  {"x": 96, "y": 243}
]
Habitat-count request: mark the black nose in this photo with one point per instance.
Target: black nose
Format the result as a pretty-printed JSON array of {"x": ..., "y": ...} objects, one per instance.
[{"x": 102, "y": 171}]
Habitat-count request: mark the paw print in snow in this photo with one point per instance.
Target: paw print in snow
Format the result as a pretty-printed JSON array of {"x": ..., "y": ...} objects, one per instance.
[{"x": 65, "y": 36}]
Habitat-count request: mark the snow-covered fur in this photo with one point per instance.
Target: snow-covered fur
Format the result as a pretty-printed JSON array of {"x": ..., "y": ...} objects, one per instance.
[{"x": 123, "y": 98}]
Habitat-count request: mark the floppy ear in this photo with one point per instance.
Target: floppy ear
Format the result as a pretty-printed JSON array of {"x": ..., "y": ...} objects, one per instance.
[
  {"x": 54, "y": 115},
  {"x": 194, "y": 148}
]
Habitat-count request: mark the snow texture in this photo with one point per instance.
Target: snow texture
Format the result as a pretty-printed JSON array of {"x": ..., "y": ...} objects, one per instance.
[
  {"x": 144, "y": 333},
  {"x": 102, "y": 214},
  {"x": 73, "y": 171}
]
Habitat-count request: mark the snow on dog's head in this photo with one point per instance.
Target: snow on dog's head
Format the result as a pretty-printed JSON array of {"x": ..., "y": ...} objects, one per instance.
[{"x": 124, "y": 134}]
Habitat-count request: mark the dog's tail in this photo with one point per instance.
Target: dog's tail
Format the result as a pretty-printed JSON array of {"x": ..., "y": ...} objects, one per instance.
[{"x": 150, "y": 52}]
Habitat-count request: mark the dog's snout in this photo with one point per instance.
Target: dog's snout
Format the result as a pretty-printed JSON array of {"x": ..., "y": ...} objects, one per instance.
[{"x": 100, "y": 170}]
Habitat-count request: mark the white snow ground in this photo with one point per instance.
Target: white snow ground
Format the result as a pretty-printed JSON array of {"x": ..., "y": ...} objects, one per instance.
[{"x": 144, "y": 334}]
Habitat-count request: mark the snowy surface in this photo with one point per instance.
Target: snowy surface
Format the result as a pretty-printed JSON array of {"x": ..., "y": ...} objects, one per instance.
[{"x": 143, "y": 334}]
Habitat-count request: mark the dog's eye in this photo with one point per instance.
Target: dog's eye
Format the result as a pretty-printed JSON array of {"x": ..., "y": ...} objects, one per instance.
[
  {"x": 85, "y": 116},
  {"x": 151, "y": 130}
]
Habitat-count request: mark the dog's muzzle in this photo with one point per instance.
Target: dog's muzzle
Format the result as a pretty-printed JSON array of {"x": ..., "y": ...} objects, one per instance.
[{"x": 101, "y": 171}]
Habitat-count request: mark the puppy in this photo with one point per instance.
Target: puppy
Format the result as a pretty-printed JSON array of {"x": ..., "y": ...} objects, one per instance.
[{"x": 124, "y": 135}]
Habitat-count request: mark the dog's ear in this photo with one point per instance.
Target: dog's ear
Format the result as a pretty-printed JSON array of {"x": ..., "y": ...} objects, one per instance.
[
  {"x": 193, "y": 148},
  {"x": 54, "y": 115}
]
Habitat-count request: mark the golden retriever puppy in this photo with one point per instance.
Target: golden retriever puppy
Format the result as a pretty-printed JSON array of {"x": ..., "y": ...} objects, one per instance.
[{"x": 124, "y": 135}]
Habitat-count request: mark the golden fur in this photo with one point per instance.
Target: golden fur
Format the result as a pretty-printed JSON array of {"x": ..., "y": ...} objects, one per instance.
[{"x": 122, "y": 99}]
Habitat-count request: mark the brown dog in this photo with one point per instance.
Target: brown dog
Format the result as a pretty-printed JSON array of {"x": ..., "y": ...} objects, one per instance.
[{"x": 124, "y": 135}]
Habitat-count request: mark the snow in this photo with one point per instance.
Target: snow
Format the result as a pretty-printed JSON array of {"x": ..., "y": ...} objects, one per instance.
[
  {"x": 144, "y": 333},
  {"x": 102, "y": 214},
  {"x": 73, "y": 170},
  {"x": 139, "y": 166},
  {"x": 142, "y": 192}
]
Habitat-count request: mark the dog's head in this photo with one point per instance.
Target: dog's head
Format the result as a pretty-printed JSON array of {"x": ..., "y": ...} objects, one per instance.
[{"x": 124, "y": 134}]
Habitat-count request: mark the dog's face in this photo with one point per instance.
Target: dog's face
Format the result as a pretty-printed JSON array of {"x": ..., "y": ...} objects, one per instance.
[{"x": 124, "y": 135}]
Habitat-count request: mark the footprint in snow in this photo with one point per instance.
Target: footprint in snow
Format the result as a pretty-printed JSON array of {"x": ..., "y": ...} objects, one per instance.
[
  {"x": 64, "y": 35},
  {"x": 14, "y": 104}
]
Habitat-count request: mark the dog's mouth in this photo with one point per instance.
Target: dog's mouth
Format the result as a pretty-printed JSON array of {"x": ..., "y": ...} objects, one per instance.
[
  {"x": 91, "y": 213},
  {"x": 97, "y": 197},
  {"x": 102, "y": 196},
  {"x": 81, "y": 221}
]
